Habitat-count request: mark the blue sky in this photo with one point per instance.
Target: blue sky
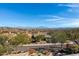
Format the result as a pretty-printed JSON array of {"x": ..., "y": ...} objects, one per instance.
[{"x": 52, "y": 15}]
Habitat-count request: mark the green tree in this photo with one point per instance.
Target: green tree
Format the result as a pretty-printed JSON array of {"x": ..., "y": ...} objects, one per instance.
[
  {"x": 40, "y": 38},
  {"x": 20, "y": 39},
  {"x": 59, "y": 37},
  {"x": 2, "y": 50},
  {"x": 3, "y": 39}
]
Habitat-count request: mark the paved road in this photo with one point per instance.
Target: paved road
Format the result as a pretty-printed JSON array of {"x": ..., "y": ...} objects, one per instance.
[
  {"x": 47, "y": 45},
  {"x": 73, "y": 55}
]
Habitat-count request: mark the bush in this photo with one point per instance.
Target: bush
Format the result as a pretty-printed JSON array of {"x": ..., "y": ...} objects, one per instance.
[
  {"x": 2, "y": 50},
  {"x": 5, "y": 49},
  {"x": 20, "y": 39},
  {"x": 3, "y": 39},
  {"x": 75, "y": 48}
]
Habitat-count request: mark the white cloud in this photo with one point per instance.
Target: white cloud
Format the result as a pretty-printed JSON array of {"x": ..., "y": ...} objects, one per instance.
[
  {"x": 73, "y": 10},
  {"x": 71, "y": 23},
  {"x": 72, "y": 5},
  {"x": 64, "y": 22},
  {"x": 51, "y": 20},
  {"x": 54, "y": 18}
]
